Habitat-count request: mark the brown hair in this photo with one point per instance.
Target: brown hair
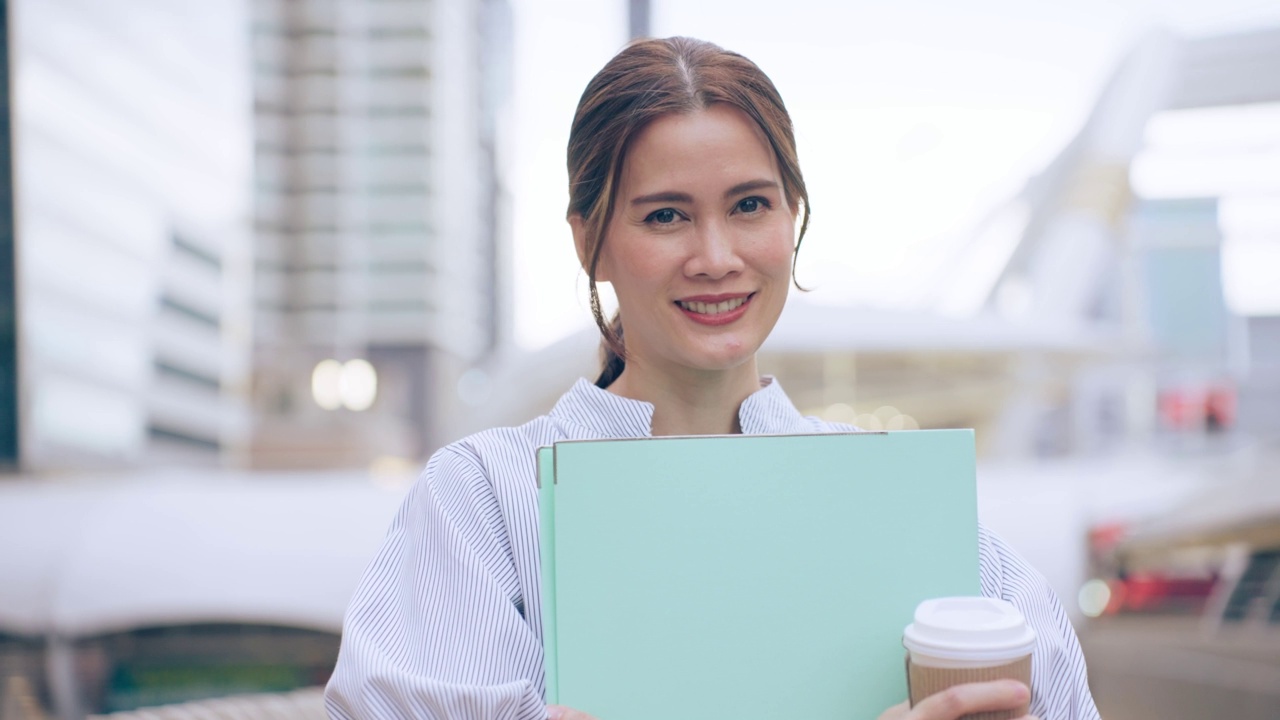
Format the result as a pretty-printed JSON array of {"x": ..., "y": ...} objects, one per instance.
[{"x": 648, "y": 79}]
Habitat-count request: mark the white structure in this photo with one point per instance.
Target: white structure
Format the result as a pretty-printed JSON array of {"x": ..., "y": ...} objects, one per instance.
[
  {"x": 378, "y": 213},
  {"x": 1123, "y": 233},
  {"x": 131, "y": 174},
  {"x": 110, "y": 554}
]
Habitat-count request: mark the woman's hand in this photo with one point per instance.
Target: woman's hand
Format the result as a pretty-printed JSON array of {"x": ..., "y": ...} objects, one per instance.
[
  {"x": 560, "y": 712},
  {"x": 960, "y": 700}
]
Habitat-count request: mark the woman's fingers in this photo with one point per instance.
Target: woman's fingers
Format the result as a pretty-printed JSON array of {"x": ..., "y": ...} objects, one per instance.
[
  {"x": 560, "y": 712},
  {"x": 960, "y": 700}
]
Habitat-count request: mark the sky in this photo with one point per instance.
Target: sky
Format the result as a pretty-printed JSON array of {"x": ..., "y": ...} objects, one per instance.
[{"x": 914, "y": 120}]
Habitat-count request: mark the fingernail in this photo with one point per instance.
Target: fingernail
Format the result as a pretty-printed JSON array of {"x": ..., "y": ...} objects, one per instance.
[{"x": 554, "y": 712}]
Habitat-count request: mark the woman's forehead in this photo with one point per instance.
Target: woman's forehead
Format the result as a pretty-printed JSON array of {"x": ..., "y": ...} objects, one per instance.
[{"x": 718, "y": 145}]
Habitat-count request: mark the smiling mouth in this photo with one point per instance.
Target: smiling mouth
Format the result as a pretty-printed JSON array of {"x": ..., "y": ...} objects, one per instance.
[{"x": 703, "y": 308}]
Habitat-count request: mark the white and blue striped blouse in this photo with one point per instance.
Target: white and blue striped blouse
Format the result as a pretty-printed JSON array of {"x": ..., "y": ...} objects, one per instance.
[{"x": 447, "y": 621}]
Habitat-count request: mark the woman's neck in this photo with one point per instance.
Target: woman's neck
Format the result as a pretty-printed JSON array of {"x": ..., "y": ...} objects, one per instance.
[{"x": 692, "y": 403}]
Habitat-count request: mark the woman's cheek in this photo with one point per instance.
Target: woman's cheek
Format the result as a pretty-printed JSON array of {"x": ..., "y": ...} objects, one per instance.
[{"x": 778, "y": 248}]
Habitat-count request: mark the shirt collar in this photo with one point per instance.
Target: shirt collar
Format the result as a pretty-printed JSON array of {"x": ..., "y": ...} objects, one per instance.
[{"x": 768, "y": 411}]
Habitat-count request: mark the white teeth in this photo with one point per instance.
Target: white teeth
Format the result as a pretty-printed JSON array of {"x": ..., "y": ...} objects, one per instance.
[{"x": 715, "y": 308}]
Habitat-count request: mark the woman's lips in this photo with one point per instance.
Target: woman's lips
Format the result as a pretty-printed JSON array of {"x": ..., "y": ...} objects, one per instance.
[{"x": 715, "y": 310}]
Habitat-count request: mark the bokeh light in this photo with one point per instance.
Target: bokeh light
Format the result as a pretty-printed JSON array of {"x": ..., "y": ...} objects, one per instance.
[
  {"x": 326, "y": 381},
  {"x": 1094, "y": 597},
  {"x": 840, "y": 413},
  {"x": 358, "y": 385}
]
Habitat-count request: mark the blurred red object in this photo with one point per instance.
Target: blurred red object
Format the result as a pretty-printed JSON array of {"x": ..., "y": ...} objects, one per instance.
[
  {"x": 1180, "y": 409},
  {"x": 1105, "y": 536},
  {"x": 1220, "y": 408},
  {"x": 1151, "y": 592},
  {"x": 1209, "y": 409},
  {"x": 1118, "y": 595}
]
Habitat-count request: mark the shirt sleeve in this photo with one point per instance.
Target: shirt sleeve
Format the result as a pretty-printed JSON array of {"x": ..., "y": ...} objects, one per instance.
[
  {"x": 1059, "y": 680},
  {"x": 436, "y": 626}
]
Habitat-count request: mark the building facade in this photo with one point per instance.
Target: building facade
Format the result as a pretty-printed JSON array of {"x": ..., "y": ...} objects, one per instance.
[
  {"x": 131, "y": 176},
  {"x": 378, "y": 211}
]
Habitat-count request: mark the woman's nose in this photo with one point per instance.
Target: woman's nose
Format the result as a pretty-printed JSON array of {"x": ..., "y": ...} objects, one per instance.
[{"x": 714, "y": 254}]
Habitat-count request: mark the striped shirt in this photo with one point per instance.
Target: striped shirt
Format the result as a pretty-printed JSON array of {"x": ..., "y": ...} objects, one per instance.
[{"x": 447, "y": 620}]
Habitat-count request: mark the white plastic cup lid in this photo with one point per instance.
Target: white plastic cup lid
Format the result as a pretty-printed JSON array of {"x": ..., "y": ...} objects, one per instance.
[{"x": 969, "y": 628}]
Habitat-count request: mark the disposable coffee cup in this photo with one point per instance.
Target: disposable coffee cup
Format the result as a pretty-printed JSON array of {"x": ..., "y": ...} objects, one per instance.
[{"x": 967, "y": 639}]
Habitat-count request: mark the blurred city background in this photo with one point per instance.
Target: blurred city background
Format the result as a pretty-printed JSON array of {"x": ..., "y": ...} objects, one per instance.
[{"x": 259, "y": 258}]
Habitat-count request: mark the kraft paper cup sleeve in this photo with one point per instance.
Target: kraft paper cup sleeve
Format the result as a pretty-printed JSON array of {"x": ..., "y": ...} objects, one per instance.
[{"x": 923, "y": 681}]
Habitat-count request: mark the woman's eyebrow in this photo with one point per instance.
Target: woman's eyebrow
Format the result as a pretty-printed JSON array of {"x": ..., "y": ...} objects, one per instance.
[
  {"x": 679, "y": 197},
  {"x": 748, "y": 186},
  {"x": 666, "y": 196}
]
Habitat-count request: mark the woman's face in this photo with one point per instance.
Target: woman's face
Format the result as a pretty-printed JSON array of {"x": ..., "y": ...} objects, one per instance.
[{"x": 699, "y": 246}]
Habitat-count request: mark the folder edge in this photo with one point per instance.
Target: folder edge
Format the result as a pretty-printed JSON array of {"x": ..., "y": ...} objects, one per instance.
[{"x": 547, "y": 551}]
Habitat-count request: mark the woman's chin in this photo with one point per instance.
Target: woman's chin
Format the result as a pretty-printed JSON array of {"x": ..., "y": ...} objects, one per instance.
[{"x": 723, "y": 359}]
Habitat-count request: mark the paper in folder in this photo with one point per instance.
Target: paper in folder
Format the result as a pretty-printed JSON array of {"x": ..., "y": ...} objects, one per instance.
[{"x": 748, "y": 576}]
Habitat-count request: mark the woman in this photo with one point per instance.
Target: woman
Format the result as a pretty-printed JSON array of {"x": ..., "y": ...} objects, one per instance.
[{"x": 685, "y": 193}]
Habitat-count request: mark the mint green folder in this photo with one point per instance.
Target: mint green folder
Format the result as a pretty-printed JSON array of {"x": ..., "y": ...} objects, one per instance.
[{"x": 748, "y": 577}]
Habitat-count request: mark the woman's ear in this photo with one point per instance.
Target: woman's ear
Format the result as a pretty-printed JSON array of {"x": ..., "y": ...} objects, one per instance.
[{"x": 579, "y": 227}]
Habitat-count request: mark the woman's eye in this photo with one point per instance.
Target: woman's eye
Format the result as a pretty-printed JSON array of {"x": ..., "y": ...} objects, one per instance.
[
  {"x": 665, "y": 216},
  {"x": 752, "y": 205}
]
